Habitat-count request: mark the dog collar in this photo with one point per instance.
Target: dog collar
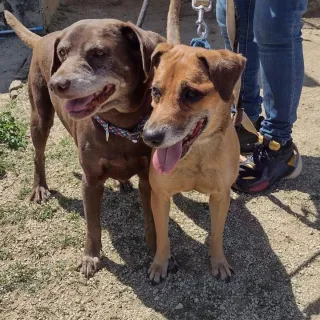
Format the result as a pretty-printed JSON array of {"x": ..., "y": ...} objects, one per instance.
[{"x": 134, "y": 135}]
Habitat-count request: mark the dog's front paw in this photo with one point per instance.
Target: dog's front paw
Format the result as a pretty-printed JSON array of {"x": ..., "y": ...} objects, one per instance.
[
  {"x": 89, "y": 266},
  {"x": 221, "y": 269},
  {"x": 40, "y": 194},
  {"x": 159, "y": 271}
]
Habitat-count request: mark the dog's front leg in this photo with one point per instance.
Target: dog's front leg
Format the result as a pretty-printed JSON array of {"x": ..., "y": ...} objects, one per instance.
[
  {"x": 219, "y": 206},
  {"x": 162, "y": 261},
  {"x": 145, "y": 195},
  {"x": 92, "y": 190}
]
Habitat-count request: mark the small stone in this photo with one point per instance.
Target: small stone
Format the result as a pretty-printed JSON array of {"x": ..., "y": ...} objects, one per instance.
[
  {"x": 179, "y": 306},
  {"x": 14, "y": 94},
  {"x": 157, "y": 298},
  {"x": 15, "y": 85},
  {"x": 196, "y": 300}
]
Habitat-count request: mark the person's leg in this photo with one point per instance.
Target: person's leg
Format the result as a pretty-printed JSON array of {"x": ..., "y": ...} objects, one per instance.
[
  {"x": 277, "y": 30},
  {"x": 250, "y": 90}
]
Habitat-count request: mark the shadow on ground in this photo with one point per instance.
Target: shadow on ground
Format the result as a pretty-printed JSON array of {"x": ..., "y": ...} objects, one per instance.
[
  {"x": 261, "y": 287},
  {"x": 310, "y": 82},
  {"x": 309, "y": 183}
]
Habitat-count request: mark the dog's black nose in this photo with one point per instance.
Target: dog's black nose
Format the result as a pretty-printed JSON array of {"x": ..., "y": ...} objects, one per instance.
[
  {"x": 153, "y": 138},
  {"x": 60, "y": 85}
]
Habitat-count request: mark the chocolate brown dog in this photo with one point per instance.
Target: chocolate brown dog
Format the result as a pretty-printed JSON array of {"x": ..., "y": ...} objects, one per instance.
[
  {"x": 93, "y": 67},
  {"x": 196, "y": 146}
]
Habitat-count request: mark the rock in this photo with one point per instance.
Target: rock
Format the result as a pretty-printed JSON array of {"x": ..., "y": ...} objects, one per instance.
[
  {"x": 14, "y": 94},
  {"x": 15, "y": 85},
  {"x": 196, "y": 300},
  {"x": 179, "y": 306}
]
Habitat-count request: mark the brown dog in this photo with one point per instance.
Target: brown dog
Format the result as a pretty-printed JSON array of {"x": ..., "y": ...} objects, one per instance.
[
  {"x": 196, "y": 146},
  {"x": 92, "y": 67}
]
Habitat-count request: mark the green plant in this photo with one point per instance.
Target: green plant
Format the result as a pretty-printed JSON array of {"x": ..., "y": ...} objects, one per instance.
[
  {"x": 12, "y": 133},
  {"x": 44, "y": 213},
  {"x": 18, "y": 276},
  {"x": 73, "y": 216}
]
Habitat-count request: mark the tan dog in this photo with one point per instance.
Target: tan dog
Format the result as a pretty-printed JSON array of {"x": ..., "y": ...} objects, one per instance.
[
  {"x": 196, "y": 144},
  {"x": 94, "y": 67}
]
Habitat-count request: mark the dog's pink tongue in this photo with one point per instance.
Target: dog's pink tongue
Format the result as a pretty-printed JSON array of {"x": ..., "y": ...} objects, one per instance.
[
  {"x": 165, "y": 159},
  {"x": 77, "y": 105}
]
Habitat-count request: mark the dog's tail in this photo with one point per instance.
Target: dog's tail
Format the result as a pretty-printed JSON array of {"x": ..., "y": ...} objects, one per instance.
[
  {"x": 28, "y": 37},
  {"x": 173, "y": 32}
]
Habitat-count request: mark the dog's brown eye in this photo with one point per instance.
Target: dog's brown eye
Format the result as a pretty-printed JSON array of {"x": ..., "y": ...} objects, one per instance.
[
  {"x": 99, "y": 53},
  {"x": 192, "y": 95},
  {"x": 62, "y": 52},
  {"x": 155, "y": 92}
]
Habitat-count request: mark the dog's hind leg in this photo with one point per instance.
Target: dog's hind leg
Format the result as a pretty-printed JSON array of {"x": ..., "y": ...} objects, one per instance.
[
  {"x": 126, "y": 186},
  {"x": 42, "y": 115},
  {"x": 219, "y": 206}
]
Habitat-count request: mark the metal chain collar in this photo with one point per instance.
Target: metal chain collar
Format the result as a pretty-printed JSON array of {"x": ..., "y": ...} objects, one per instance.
[{"x": 134, "y": 135}]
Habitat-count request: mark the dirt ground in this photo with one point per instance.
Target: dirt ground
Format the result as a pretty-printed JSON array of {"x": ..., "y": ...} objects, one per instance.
[{"x": 272, "y": 240}]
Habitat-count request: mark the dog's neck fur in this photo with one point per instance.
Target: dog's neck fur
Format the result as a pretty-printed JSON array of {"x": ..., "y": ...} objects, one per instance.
[{"x": 139, "y": 108}]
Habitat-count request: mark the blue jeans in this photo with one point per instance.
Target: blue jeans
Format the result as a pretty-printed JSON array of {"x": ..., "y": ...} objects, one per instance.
[{"x": 270, "y": 39}]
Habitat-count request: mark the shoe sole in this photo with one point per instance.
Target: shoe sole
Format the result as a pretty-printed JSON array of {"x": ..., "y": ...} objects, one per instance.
[
  {"x": 265, "y": 185},
  {"x": 297, "y": 165}
]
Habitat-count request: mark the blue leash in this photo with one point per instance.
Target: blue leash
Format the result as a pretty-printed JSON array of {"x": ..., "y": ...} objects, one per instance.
[{"x": 200, "y": 42}]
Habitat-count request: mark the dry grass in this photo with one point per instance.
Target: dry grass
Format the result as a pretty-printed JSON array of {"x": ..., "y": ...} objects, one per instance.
[{"x": 272, "y": 240}]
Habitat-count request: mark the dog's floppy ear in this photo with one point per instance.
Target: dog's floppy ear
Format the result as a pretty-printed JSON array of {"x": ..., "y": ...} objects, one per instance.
[
  {"x": 156, "y": 55},
  {"x": 142, "y": 42},
  {"x": 55, "y": 62},
  {"x": 225, "y": 68}
]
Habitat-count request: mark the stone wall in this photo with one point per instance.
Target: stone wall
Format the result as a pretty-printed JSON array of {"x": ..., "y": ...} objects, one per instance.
[
  {"x": 32, "y": 13},
  {"x": 313, "y": 4}
]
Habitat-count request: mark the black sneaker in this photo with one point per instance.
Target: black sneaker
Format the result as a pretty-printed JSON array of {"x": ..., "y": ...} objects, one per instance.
[
  {"x": 247, "y": 139},
  {"x": 268, "y": 163}
]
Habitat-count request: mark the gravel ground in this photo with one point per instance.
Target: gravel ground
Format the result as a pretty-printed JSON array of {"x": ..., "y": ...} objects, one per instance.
[{"x": 272, "y": 240}]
